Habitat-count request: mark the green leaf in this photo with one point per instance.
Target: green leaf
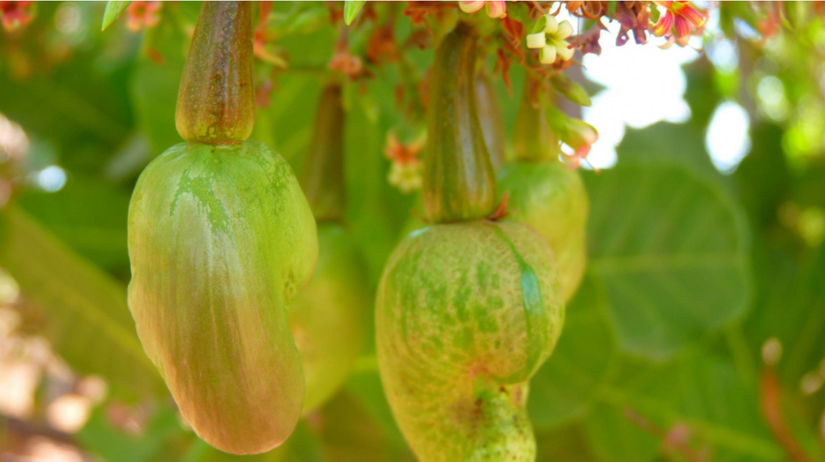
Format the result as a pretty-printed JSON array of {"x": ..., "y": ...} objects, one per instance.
[
  {"x": 113, "y": 10},
  {"x": 87, "y": 214},
  {"x": 89, "y": 323},
  {"x": 570, "y": 89},
  {"x": 699, "y": 398},
  {"x": 351, "y": 9},
  {"x": 564, "y": 387},
  {"x": 671, "y": 247}
]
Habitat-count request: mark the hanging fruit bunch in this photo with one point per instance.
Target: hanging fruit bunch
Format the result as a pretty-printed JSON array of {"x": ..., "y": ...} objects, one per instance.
[
  {"x": 469, "y": 307},
  {"x": 221, "y": 239}
]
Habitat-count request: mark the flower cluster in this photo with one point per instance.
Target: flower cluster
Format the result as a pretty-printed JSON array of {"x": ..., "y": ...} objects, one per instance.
[
  {"x": 405, "y": 172},
  {"x": 15, "y": 15},
  {"x": 552, "y": 40},
  {"x": 142, "y": 15}
]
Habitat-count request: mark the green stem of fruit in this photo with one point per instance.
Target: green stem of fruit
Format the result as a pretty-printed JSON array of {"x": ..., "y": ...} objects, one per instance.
[
  {"x": 533, "y": 139},
  {"x": 216, "y": 95},
  {"x": 458, "y": 183},
  {"x": 322, "y": 177},
  {"x": 489, "y": 116}
]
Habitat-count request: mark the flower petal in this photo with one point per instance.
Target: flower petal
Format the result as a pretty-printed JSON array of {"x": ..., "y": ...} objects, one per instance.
[
  {"x": 471, "y": 6},
  {"x": 564, "y": 51},
  {"x": 547, "y": 55},
  {"x": 552, "y": 24},
  {"x": 682, "y": 26},
  {"x": 565, "y": 30},
  {"x": 496, "y": 8},
  {"x": 691, "y": 13},
  {"x": 664, "y": 25},
  {"x": 537, "y": 40}
]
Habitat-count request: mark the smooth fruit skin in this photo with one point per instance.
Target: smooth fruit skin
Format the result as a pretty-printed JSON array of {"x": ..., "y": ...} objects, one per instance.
[
  {"x": 330, "y": 315},
  {"x": 220, "y": 240},
  {"x": 465, "y": 314},
  {"x": 551, "y": 199}
]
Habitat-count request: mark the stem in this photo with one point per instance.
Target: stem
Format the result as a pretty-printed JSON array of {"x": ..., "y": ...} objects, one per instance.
[
  {"x": 322, "y": 177},
  {"x": 216, "y": 102},
  {"x": 533, "y": 140},
  {"x": 458, "y": 184},
  {"x": 489, "y": 116}
]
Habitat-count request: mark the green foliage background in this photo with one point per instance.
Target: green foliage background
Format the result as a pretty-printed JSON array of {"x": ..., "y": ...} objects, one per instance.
[{"x": 690, "y": 271}]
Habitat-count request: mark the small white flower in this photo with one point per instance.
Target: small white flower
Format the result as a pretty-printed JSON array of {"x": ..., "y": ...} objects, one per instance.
[{"x": 551, "y": 42}]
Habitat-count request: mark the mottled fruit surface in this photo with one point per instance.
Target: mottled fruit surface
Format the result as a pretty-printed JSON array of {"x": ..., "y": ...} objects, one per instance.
[
  {"x": 551, "y": 199},
  {"x": 220, "y": 239},
  {"x": 465, "y": 314},
  {"x": 330, "y": 315}
]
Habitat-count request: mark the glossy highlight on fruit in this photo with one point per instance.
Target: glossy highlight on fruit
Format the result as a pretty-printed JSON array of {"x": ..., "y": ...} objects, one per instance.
[{"x": 220, "y": 240}]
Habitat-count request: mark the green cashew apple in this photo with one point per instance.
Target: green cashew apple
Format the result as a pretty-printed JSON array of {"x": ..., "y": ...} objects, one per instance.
[
  {"x": 545, "y": 194},
  {"x": 221, "y": 238},
  {"x": 551, "y": 198},
  {"x": 467, "y": 308},
  {"x": 465, "y": 314},
  {"x": 330, "y": 315}
]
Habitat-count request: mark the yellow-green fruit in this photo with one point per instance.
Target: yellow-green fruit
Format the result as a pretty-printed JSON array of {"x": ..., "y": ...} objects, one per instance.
[
  {"x": 551, "y": 199},
  {"x": 220, "y": 240},
  {"x": 465, "y": 314},
  {"x": 329, "y": 316}
]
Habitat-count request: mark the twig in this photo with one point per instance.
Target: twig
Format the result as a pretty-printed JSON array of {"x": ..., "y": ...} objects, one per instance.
[{"x": 770, "y": 397}]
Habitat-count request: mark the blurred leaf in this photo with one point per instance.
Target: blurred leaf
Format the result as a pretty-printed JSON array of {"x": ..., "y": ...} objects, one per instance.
[
  {"x": 697, "y": 404},
  {"x": 87, "y": 214},
  {"x": 111, "y": 444},
  {"x": 567, "y": 444},
  {"x": 153, "y": 87},
  {"x": 88, "y": 322},
  {"x": 570, "y": 90},
  {"x": 113, "y": 10},
  {"x": 567, "y": 383},
  {"x": 795, "y": 316},
  {"x": 656, "y": 142},
  {"x": 351, "y": 9},
  {"x": 671, "y": 247}
]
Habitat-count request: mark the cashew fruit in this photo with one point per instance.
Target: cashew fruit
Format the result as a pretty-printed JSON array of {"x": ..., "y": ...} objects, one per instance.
[
  {"x": 220, "y": 240},
  {"x": 330, "y": 315},
  {"x": 552, "y": 200},
  {"x": 465, "y": 314},
  {"x": 467, "y": 308},
  {"x": 544, "y": 193}
]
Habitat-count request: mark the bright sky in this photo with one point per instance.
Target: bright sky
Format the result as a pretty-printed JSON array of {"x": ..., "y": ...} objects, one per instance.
[{"x": 644, "y": 85}]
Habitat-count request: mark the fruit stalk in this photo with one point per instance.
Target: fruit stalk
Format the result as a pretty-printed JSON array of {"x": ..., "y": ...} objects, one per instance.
[
  {"x": 459, "y": 183},
  {"x": 216, "y": 95},
  {"x": 322, "y": 177},
  {"x": 533, "y": 139}
]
